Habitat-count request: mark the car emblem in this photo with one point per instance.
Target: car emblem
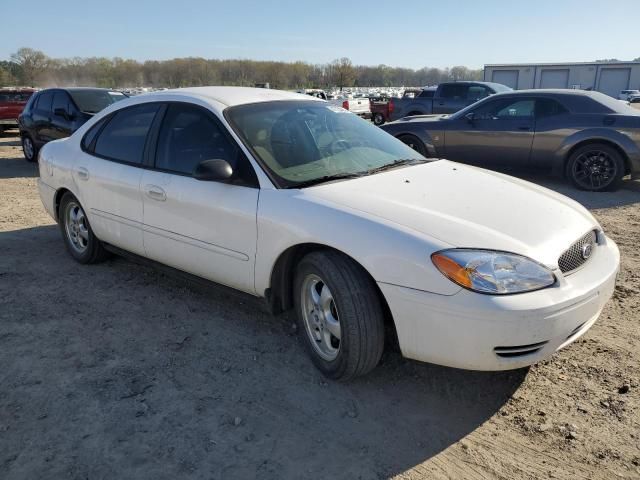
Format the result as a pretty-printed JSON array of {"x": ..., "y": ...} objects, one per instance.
[{"x": 587, "y": 248}]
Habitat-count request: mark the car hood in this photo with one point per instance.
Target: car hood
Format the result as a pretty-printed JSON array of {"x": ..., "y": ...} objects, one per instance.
[{"x": 467, "y": 207}]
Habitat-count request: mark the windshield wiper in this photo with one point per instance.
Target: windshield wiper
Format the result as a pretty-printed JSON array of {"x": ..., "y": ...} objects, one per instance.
[
  {"x": 325, "y": 178},
  {"x": 397, "y": 163}
]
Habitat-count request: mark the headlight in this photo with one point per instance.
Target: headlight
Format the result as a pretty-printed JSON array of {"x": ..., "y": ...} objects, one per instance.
[{"x": 487, "y": 271}]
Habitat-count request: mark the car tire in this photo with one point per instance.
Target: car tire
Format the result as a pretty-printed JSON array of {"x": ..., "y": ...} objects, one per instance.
[
  {"x": 29, "y": 149},
  {"x": 415, "y": 143},
  {"x": 378, "y": 119},
  {"x": 596, "y": 167},
  {"x": 333, "y": 294},
  {"x": 78, "y": 236}
]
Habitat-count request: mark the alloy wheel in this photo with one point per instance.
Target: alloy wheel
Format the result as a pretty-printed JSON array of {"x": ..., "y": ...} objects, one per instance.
[
  {"x": 321, "y": 318},
  {"x": 594, "y": 170},
  {"x": 76, "y": 227},
  {"x": 27, "y": 146}
]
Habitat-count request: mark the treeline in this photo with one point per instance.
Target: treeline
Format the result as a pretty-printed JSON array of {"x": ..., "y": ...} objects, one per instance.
[{"x": 29, "y": 67}]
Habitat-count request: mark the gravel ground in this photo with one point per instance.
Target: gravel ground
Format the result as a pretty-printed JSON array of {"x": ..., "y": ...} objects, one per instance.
[{"x": 118, "y": 371}]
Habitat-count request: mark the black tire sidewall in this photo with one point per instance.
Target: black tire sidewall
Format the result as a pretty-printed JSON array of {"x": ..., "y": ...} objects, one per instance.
[
  {"x": 378, "y": 119},
  {"x": 420, "y": 147},
  {"x": 612, "y": 152}
]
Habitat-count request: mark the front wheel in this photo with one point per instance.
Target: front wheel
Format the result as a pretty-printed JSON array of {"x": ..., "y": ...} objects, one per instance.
[
  {"x": 340, "y": 316},
  {"x": 29, "y": 149},
  {"x": 596, "y": 167},
  {"x": 78, "y": 236},
  {"x": 415, "y": 143}
]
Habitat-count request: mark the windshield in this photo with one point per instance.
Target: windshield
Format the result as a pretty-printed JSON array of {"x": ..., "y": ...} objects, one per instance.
[
  {"x": 92, "y": 101},
  {"x": 302, "y": 141}
]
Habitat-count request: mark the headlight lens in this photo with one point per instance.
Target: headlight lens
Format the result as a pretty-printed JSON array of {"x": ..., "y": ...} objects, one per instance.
[{"x": 487, "y": 271}]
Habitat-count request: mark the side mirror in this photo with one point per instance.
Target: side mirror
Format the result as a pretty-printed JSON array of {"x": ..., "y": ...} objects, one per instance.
[
  {"x": 216, "y": 170},
  {"x": 470, "y": 117}
]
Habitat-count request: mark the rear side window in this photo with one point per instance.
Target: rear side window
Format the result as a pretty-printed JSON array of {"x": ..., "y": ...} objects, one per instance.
[
  {"x": 45, "y": 101},
  {"x": 454, "y": 91},
  {"x": 89, "y": 137},
  {"x": 545, "y": 107},
  {"x": 427, "y": 94},
  {"x": 123, "y": 138}
]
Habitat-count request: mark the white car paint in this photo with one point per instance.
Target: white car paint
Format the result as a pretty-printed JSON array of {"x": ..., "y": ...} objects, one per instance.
[{"x": 390, "y": 223}]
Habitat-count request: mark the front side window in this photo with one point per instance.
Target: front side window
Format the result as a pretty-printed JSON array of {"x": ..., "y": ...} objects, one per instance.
[
  {"x": 476, "y": 92},
  {"x": 304, "y": 141},
  {"x": 123, "y": 138},
  {"x": 190, "y": 135}
]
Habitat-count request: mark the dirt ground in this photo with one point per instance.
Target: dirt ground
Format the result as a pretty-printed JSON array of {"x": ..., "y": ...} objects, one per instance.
[{"x": 118, "y": 371}]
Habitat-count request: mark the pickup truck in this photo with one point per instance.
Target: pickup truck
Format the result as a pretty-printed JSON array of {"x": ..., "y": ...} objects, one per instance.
[
  {"x": 12, "y": 102},
  {"x": 360, "y": 105},
  {"x": 447, "y": 98}
]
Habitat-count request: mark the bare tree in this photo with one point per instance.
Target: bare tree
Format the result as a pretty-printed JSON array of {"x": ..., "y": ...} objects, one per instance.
[{"x": 32, "y": 63}]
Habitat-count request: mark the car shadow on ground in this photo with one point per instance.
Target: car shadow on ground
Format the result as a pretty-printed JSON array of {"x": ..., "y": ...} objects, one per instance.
[{"x": 116, "y": 368}]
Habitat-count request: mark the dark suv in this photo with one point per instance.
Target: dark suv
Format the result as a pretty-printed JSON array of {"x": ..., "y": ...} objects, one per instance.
[{"x": 58, "y": 112}]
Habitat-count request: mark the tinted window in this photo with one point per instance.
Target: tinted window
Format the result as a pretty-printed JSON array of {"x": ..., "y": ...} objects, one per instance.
[
  {"x": 476, "y": 92},
  {"x": 61, "y": 100},
  {"x": 92, "y": 101},
  {"x": 427, "y": 93},
  {"x": 91, "y": 134},
  {"x": 545, "y": 107},
  {"x": 454, "y": 91},
  {"x": 14, "y": 96},
  {"x": 188, "y": 136},
  {"x": 45, "y": 100},
  {"x": 506, "y": 108},
  {"x": 124, "y": 136}
]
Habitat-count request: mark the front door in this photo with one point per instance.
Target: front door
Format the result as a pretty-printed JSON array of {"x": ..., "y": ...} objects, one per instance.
[
  {"x": 498, "y": 132},
  {"x": 205, "y": 228}
]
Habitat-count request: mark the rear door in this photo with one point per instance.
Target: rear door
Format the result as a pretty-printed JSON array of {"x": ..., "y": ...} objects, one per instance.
[
  {"x": 500, "y": 133},
  {"x": 205, "y": 228},
  {"x": 108, "y": 172},
  {"x": 61, "y": 118},
  {"x": 41, "y": 117}
]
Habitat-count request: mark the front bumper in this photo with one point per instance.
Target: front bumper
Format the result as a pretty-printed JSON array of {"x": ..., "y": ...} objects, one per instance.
[{"x": 491, "y": 332}]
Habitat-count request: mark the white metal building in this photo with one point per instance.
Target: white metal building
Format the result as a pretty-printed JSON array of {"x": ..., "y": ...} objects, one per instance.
[{"x": 609, "y": 78}]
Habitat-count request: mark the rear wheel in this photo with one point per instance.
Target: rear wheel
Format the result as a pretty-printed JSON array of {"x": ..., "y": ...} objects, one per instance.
[
  {"x": 78, "y": 236},
  {"x": 378, "y": 119},
  {"x": 29, "y": 149},
  {"x": 596, "y": 167},
  {"x": 415, "y": 143},
  {"x": 340, "y": 316}
]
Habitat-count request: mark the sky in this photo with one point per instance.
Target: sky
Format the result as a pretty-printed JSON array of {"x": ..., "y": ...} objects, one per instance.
[{"x": 401, "y": 34}]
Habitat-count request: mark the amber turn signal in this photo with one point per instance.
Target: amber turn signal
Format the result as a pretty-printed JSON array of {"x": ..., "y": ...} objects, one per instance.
[{"x": 452, "y": 270}]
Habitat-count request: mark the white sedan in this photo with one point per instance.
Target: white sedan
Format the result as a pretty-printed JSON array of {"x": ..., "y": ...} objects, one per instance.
[{"x": 298, "y": 201}]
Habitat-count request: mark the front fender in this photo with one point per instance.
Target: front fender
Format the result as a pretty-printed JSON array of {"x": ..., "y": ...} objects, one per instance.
[{"x": 390, "y": 252}]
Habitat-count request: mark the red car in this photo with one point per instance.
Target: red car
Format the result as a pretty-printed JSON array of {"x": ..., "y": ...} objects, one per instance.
[{"x": 12, "y": 102}]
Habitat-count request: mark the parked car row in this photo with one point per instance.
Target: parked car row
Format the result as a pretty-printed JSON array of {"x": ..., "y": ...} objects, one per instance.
[{"x": 293, "y": 200}]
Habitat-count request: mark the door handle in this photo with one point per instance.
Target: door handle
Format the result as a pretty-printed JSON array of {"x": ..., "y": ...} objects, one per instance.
[
  {"x": 83, "y": 173},
  {"x": 156, "y": 193}
]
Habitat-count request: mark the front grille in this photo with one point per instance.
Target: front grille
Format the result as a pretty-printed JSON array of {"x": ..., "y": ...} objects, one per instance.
[
  {"x": 573, "y": 258},
  {"x": 519, "y": 350}
]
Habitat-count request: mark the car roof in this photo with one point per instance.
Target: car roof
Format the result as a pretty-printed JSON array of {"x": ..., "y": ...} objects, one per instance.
[
  {"x": 231, "y": 96},
  {"x": 552, "y": 91}
]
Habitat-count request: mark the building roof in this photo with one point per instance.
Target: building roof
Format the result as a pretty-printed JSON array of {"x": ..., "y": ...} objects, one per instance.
[{"x": 562, "y": 64}]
